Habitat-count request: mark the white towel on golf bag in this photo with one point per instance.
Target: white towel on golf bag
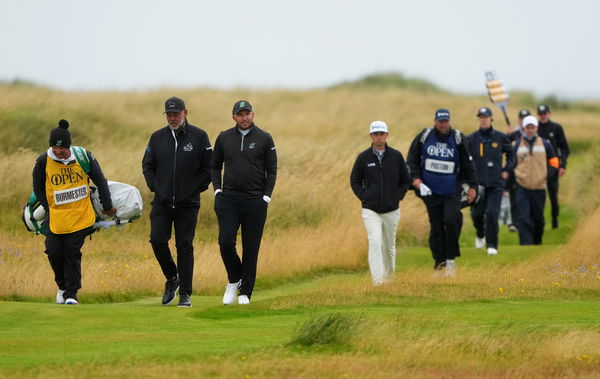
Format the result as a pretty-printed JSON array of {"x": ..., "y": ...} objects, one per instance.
[{"x": 125, "y": 198}]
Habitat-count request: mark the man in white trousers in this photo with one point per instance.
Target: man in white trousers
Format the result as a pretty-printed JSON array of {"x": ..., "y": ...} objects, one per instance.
[{"x": 380, "y": 180}]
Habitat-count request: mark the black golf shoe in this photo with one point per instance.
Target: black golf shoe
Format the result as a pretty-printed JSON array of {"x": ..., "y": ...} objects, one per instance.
[
  {"x": 184, "y": 300},
  {"x": 171, "y": 287}
]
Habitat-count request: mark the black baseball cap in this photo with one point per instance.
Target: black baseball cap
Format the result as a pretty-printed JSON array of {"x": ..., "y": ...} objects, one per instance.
[
  {"x": 240, "y": 106},
  {"x": 524, "y": 113},
  {"x": 174, "y": 104},
  {"x": 543, "y": 109},
  {"x": 442, "y": 114},
  {"x": 484, "y": 111}
]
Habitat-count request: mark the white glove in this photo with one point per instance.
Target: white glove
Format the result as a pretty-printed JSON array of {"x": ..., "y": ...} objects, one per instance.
[
  {"x": 217, "y": 191},
  {"x": 425, "y": 191},
  {"x": 267, "y": 199}
]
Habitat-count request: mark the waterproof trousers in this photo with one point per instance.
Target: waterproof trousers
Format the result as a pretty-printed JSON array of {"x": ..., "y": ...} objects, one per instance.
[
  {"x": 64, "y": 255},
  {"x": 530, "y": 205},
  {"x": 250, "y": 214},
  {"x": 184, "y": 219},
  {"x": 485, "y": 215},
  {"x": 445, "y": 221}
]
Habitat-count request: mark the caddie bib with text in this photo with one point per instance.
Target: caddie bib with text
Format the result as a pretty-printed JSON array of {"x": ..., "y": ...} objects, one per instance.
[
  {"x": 68, "y": 195},
  {"x": 440, "y": 164}
]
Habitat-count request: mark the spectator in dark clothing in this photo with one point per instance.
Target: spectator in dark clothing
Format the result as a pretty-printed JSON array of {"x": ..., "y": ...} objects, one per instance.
[{"x": 554, "y": 133}]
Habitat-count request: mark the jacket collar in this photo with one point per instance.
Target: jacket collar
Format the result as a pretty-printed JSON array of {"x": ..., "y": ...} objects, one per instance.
[
  {"x": 373, "y": 148},
  {"x": 183, "y": 128},
  {"x": 486, "y": 132},
  {"x": 250, "y": 129}
]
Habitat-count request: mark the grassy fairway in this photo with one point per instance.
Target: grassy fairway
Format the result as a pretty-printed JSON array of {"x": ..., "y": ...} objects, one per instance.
[{"x": 400, "y": 334}]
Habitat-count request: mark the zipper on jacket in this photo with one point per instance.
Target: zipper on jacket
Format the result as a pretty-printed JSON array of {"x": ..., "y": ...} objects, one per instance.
[
  {"x": 242, "y": 144},
  {"x": 381, "y": 183},
  {"x": 174, "y": 165}
]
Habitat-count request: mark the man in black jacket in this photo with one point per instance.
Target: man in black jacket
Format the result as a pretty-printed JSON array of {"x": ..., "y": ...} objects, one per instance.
[
  {"x": 554, "y": 133},
  {"x": 61, "y": 185},
  {"x": 487, "y": 146},
  {"x": 439, "y": 162},
  {"x": 380, "y": 180},
  {"x": 241, "y": 196},
  {"x": 176, "y": 167}
]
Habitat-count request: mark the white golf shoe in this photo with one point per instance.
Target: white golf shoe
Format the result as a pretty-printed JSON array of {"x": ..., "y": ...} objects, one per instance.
[
  {"x": 243, "y": 300},
  {"x": 59, "y": 297},
  {"x": 492, "y": 251},
  {"x": 479, "y": 242},
  {"x": 231, "y": 291},
  {"x": 450, "y": 268},
  {"x": 71, "y": 301}
]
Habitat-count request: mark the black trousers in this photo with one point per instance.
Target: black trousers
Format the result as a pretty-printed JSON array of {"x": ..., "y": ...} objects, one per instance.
[
  {"x": 184, "y": 219},
  {"x": 485, "y": 215},
  {"x": 64, "y": 255},
  {"x": 445, "y": 220},
  {"x": 552, "y": 183},
  {"x": 530, "y": 205},
  {"x": 250, "y": 214}
]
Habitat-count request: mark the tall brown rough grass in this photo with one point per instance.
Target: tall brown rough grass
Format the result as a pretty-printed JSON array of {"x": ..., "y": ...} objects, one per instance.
[{"x": 314, "y": 220}]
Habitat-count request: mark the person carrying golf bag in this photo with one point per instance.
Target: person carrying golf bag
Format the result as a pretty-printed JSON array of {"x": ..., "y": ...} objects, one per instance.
[{"x": 61, "y": 185}]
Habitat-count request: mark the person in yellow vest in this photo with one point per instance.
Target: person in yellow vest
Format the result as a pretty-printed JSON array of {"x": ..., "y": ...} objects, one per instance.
[
  {"x": 536, "y": 161},
  {"x": 61, "y": 185}
]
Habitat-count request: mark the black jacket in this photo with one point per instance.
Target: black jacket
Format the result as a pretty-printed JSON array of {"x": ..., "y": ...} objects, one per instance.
[
  {"x": 39, "y": 181},
  {"x": 177, "y": 172},
  {"x": 380, "y": 185},
  {"x": 467, "y": 170},
  {"x": 487, "y": 146},
  {"x": 250, "y": 163},
  {"x": 554, "y": 133}
]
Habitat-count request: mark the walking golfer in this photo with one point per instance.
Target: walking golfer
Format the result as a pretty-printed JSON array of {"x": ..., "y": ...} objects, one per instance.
[
  {"x": 439, "y": 162},
  {"x": 487, "y": 146},
  {"x": 242, "y": 194},
  {"x": 176, "y": 167},
  {"x": 380, "y": 180},
  {"x": 61, "y": 185}
]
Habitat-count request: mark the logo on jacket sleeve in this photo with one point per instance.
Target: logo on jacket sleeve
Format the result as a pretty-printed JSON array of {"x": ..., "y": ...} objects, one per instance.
[{"x": 188, "y": 147}]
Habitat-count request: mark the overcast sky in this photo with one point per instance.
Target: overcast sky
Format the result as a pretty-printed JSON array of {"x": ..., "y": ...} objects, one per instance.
[{"x": 545, "y": 46}]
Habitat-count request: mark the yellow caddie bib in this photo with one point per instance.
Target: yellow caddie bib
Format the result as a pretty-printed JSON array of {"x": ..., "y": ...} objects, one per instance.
[{"x": 68, "y": 195}]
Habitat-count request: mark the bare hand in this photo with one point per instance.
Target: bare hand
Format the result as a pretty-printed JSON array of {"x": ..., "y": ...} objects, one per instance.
[
  {"x": 471, "y": 195},
  {"x": 561, "y": 171},
  {"x": 504, "y": 175},
  {"x": 416, "y": 183},
  {"x": 111, "y": 212}
]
